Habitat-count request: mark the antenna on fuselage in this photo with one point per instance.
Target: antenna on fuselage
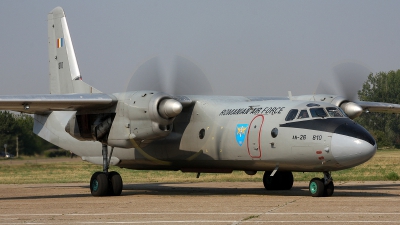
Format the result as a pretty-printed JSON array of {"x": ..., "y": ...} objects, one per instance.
[
  {"x": 290, "y": 95},
  {"x": 316, "y": 89}
]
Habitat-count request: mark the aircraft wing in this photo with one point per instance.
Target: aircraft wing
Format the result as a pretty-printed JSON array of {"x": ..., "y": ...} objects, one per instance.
[
  {"x": 41, "y": 104},
  {"x": 379, "y": 107}
]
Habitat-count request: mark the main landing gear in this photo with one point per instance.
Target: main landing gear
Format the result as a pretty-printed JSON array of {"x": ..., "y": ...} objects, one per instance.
[
  {"x": 282, "y": 180},
  {"x": 322, "y": 187},
  {"x": 106, "y": 183}
]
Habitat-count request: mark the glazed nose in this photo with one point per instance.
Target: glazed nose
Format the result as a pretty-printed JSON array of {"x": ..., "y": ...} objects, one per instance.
[{"x": 352, "y": 145}]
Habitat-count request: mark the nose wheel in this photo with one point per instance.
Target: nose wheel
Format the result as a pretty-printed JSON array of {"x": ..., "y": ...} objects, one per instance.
[
  {"x": 323, "y": 187},
  {"x": 106, "y": 183}
]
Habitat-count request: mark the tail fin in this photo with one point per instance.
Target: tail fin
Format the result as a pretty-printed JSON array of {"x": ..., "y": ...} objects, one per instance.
[{"x": 63, "y": 67}]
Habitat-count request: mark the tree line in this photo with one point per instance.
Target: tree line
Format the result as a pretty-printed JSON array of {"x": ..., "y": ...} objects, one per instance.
[
  {"x": 19, "y": 127},
  {"x": 384, "y": 127}
]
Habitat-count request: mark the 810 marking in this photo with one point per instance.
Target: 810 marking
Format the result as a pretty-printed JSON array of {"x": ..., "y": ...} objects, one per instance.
[{"x": 317, "y": 137}]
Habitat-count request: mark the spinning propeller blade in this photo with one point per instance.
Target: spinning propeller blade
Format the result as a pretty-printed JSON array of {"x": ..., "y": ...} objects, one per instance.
[
  {"x": 350, "y": 77},
  {"x": 347, "y": 81},
  {"x": 186, "y": 78}
]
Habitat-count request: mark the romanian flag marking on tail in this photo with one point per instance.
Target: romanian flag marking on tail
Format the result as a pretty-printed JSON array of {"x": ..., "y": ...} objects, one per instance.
[{"x": 60, "y": 42}]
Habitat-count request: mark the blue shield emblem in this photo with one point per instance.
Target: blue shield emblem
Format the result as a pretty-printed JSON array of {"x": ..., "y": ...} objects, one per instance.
[{"x": 241, "y": 131}]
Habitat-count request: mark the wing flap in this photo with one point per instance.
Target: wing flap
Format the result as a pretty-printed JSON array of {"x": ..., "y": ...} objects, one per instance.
[{"x": 40, "y": 104}]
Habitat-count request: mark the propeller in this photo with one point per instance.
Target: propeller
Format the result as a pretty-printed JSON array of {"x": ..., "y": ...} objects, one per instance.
[
  {"x": 347, "y": 80},
  {"x": 146, "y": 76},
  {"x": 350, "y": 76},
  {"x": 186, "y": 78}
]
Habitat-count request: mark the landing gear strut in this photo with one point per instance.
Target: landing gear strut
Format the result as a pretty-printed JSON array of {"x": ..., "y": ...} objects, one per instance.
[
  {"x": 106, "y": 183},
  {"x": 322, "y": 187},
  {"x": 282, "y": 180}
]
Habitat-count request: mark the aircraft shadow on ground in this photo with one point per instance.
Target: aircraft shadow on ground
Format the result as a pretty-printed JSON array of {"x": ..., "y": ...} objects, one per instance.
[
  {"x": 368, "y": 186},
  {"x": 38, "y": 197},
  {"x": 60, "y": 196},
  {"x": 175, "y": 189},
  {"x": 171, "y": 189}
]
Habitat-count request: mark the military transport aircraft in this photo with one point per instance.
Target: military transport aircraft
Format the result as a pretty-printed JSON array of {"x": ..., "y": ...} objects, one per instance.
[{"x": 151, "y": 130}]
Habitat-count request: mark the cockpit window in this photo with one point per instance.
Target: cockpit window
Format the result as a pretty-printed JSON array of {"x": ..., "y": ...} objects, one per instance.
[
  {"x": 318, "y": 112},
  {"x": 334, "y": 112},
  {"x": 343, "y": 113},
  {"x": 303, "y": 114},
  {"x": 291, "y": 115}
]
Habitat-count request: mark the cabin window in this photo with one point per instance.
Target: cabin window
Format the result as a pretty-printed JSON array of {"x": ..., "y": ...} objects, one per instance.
[
  {"x": 334, "y": 112},
  {"x": 303, "y": 114},
  {"x": 291, "y": 115},
  {"x": 318, "y": 112}
]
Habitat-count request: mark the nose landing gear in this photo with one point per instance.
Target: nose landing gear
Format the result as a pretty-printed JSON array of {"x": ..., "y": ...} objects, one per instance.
[
  {"x": 322, "y": 187},
  {"x": 106, "y": 183}
]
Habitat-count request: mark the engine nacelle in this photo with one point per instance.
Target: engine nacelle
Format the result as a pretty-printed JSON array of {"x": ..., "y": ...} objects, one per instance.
[{"x": 143, "y": 116}]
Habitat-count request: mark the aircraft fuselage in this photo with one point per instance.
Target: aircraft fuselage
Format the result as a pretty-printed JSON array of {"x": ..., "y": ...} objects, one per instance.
[{"x": 220, "y": 134}]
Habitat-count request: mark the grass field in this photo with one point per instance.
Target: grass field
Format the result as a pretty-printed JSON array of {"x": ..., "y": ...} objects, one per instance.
[{"x": 384, "y": 166}]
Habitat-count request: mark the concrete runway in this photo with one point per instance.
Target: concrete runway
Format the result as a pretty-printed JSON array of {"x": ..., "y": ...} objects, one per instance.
[{"x": 200, "y": 203}]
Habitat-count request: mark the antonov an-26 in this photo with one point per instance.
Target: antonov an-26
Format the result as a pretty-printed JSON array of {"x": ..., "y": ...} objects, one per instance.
[{"x": 151, "y": 130}]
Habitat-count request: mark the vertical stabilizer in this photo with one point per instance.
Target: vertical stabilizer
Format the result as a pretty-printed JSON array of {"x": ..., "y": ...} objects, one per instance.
[{"x": 63, "y": 67}]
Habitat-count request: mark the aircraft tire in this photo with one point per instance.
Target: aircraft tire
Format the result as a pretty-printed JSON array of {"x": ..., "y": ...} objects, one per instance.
[
  {"x": 287, "y": 180},
  {"x": 99, "y": 184},
  {"x": 329, "y": 189},
  {"x": 270, "y": 183},
  {"x": 282, "y": 180},
  {"x": 316, "y": 187},
  {"x": 114, "y": 184}
]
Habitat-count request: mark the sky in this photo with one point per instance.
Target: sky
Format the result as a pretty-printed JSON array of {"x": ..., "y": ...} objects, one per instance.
[{"x": 262, "y": 48}]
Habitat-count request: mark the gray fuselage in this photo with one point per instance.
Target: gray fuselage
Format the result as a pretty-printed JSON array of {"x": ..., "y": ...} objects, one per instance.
[{"x": 221, "y": 134}]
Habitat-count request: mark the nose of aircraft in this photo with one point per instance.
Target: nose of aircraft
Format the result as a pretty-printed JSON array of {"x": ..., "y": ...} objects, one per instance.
[{"x": 352, "y": 145}]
